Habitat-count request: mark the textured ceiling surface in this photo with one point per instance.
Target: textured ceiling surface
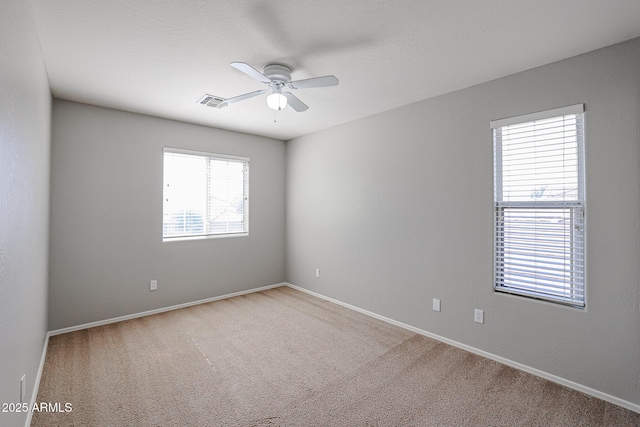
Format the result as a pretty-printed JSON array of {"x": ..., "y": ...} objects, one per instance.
[{"x": 159, "y": 57}]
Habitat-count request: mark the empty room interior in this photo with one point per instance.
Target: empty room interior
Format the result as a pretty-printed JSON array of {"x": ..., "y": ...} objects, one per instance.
[{"x": 320, "y": 213}]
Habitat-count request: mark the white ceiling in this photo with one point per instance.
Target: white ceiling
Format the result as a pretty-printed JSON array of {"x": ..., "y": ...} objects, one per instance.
[{"x": 158, "y": 57}]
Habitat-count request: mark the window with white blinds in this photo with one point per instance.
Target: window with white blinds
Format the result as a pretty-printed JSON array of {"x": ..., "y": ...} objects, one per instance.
[
  {"x": 204, "y": 194},
  {"x": 539, "y": 203}
]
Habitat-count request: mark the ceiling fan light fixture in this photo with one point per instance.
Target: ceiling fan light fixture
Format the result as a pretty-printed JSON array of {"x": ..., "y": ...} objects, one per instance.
[{"x": 276, "y": 101}]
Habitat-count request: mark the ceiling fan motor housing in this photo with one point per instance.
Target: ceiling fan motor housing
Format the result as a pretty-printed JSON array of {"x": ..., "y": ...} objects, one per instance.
[{"x": 278, "y": 73}]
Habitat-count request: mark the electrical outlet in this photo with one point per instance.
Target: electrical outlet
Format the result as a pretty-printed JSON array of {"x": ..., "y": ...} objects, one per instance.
[
  {"x": 478, "y": 316},
  {"x": 436, "y": 304},
  {"x": 153, "y": 285},
  {"x": 317, "y": 272},
  {"x": 22, "y": 387}
]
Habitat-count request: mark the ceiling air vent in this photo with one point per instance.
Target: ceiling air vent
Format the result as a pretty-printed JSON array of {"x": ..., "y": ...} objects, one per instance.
[{"x": 211, "y": 101}]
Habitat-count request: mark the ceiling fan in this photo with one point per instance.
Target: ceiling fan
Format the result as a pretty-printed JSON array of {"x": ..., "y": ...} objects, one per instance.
[{"x": 278, "y": 78}]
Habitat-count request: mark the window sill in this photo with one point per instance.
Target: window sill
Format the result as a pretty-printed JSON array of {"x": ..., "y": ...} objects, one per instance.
[{"x": 205, "y": 237}]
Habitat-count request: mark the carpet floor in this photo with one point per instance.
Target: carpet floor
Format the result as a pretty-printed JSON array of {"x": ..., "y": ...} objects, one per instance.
[{"x": 284, "y": 358}]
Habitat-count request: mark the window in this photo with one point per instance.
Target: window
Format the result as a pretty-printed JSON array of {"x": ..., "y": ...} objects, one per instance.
[
  {"x": 204, "y": 194},
  {"x": 539, "y": 205}
]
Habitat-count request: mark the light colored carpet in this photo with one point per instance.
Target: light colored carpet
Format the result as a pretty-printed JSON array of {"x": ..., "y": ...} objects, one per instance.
[{"x": 284, "y": 358}]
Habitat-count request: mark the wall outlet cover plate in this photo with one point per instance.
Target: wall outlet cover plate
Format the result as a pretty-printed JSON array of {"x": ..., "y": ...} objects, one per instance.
[{"x": 478, "y": 316}]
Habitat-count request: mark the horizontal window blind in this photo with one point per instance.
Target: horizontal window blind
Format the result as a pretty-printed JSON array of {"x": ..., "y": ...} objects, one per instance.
[
  {"x": 539, "y": 208},
  {"x": 204, "y": 194}
]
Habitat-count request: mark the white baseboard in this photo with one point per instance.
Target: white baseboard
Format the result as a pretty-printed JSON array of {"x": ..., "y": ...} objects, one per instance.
[
  {"x": 159, "y": 310},
  {"x": 559, "y": 380},
  {"x": 36, "y": 386}
]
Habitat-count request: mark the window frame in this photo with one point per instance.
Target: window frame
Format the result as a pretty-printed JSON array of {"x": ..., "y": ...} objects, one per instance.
[
  {"x": 210, "y": 156},
  {"x": 575, "y": 208}
]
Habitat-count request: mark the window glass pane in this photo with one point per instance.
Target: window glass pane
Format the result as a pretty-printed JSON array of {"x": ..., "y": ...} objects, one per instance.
[
  {"x": 540, "y": 250},
  {"x": 226, "y": 196},
  {"x": 540, "y": 160},
  {"x": 185, "y": 192}
]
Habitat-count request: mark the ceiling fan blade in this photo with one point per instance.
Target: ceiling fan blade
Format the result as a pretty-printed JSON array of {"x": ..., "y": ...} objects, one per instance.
[
  {"x": 250, "y": 71},
  {"x": 295, "y": 103},
  {"x": 243, "y": 97},
  {"x": 314, "y": 82}
]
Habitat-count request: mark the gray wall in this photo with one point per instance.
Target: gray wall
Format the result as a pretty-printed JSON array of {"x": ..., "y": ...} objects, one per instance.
[
  {"x": 106, "y": 217},
  {"x": 25, "y": 134},
  {"x": 396, "y": 209}
]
